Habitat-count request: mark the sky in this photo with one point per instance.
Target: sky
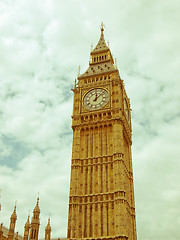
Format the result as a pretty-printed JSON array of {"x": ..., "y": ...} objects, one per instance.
[{"x": 42, "y": 44}]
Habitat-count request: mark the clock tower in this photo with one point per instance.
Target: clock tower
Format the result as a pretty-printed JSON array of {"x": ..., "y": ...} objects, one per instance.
[{"x": 101, "y": 201}]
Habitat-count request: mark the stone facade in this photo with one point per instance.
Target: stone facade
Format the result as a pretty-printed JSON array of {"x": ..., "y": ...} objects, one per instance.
[{"x": 101, "y": 201}]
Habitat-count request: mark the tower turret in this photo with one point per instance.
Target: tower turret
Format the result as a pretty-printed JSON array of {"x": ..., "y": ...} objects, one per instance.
[
  {"x": 48, "y": 231},
  {"x": 26, "y": 229},
  {"x": 35, "y": 222},
  {"x": 12, "y": 224}
]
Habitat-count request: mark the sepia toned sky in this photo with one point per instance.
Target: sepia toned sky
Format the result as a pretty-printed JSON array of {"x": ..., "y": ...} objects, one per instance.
[{"x": 42, "y": 43}]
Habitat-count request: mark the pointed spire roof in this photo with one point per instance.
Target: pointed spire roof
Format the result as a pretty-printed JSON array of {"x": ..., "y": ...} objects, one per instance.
[
  {"x": 101, "y": 45},
  {"x": 27, "y": 224},
  {"x": 37, "y": 209},
  {"x": 48, "y": 227},
  {"x": 14, "y": 215},
  {"x": 101, "y": 59}
]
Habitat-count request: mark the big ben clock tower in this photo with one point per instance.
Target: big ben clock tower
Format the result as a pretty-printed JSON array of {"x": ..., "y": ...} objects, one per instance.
[{"x": 101, "y": 201}]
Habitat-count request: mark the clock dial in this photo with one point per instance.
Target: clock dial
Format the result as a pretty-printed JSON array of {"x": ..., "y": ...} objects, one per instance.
[
  {"x": 95, "y": 99},
  {"x": 126, "y": 109}
]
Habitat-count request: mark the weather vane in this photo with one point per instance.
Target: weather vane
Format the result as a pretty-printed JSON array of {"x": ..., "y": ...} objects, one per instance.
[
  {"x": 102, "y": 26},
  {"x": 91, "y": 47}
]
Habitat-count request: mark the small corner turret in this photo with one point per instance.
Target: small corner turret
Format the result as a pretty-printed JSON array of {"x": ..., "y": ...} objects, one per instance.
[
  {"x": 12, "y": 224},
  {"x": 48, "y": 231},
  {"x": 35, "y": 222},
  {"x": 26, "y": 229}
]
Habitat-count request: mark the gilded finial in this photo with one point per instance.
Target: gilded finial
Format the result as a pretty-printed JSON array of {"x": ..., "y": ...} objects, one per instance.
[
  {"x": 79, "y": 69},
  {"x": 115, "y": 63},
  {"x": 38, "y": 199},
  {"x": 91, "y": 47},
  {"x": 15, "y": 205},
  {"x": 102, "y": 26}
]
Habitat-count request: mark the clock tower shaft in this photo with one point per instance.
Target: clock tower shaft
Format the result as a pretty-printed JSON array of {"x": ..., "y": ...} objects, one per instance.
[{"x": 101, "y": 201}]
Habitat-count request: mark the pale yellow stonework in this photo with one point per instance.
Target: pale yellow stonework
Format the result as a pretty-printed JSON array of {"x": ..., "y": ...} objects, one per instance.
[{"x": 101, "y": 201}]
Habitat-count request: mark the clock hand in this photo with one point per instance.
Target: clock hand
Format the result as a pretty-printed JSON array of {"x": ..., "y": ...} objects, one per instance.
[
  {"x": 99, "y": 95},
  {"x": 95, "y": 98}
]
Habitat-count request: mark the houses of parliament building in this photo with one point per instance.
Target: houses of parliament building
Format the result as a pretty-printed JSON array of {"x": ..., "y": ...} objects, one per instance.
[{"x": 101, "y": 198}]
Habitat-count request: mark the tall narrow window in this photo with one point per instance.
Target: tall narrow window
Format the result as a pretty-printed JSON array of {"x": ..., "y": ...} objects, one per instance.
[
  {"x": 92, "y": 144},
  {"x": 101, "y": 177},
  {"x": 107, "y": 177},
  {"x": 90, "y": 222},
  {"x": 106, "y": 140},
  {"x": 86, "y": 180},
  {"x": 101, "y": 219},
  {"x": 87, "y": 146},
  {"x": 101, "y": 142},
  {"x": 91, "y": 179},
  {"x": 107, "y": 219},
  {"x": 85, "y": 221},
  {"x": 34, "y": 233}
]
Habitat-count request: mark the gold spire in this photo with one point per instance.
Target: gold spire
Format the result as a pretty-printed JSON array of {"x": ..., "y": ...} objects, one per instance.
[
  {"x": 14, "y": 215},
  {"x": 26, "y": 229},
  {"x": 37, "y": 209},
  {"x": 101, "y": 46},
  {"x": 27, "y": 222},
  {"x": 48, "y": 227},
  {"x": 101, "y": 59}
]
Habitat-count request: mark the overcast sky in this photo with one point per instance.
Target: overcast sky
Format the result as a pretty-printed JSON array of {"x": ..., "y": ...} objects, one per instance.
[{"x": 42, "y": 43}]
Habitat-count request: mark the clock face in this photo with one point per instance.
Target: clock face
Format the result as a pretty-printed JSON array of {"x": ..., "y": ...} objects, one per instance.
[
  {"x": 126, "y": 109},
  {"x": 95, "y": 99}
]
